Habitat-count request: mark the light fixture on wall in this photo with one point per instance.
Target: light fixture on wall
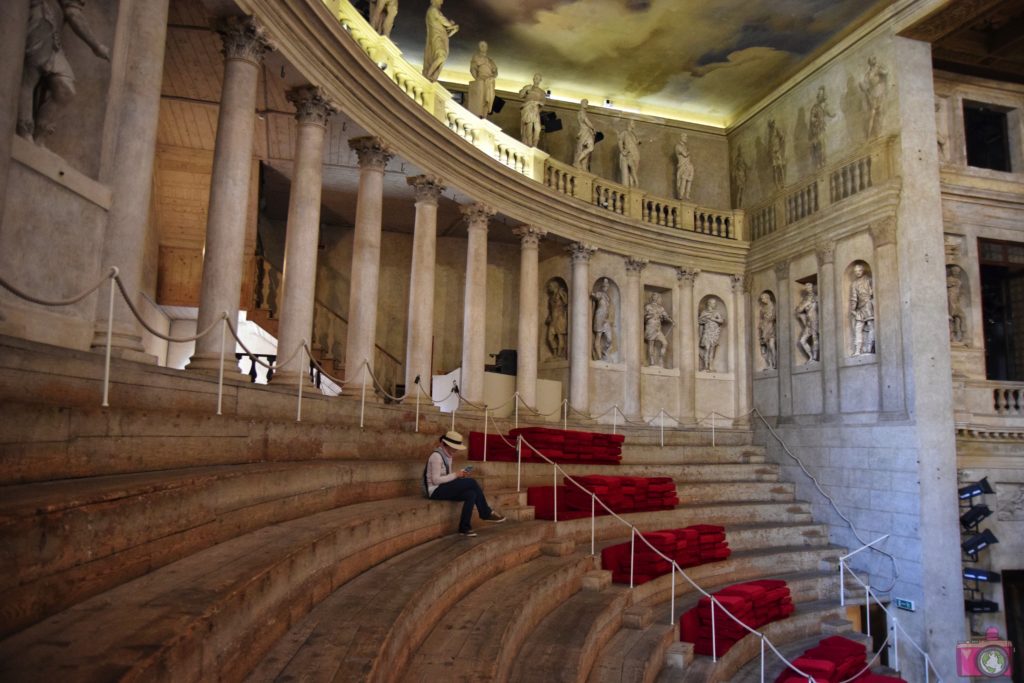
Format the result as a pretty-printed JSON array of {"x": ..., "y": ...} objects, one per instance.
[
  {"x": 975, "y": 544},
  {"x": 974, "y": 516},
  {"x": 978, "y": 488},
  {"x": 980, "y": 605},
  {"x": 986, "y": 575}
]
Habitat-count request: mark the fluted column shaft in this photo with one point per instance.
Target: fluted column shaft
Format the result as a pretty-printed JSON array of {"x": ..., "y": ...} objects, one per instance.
[
  {"x": 421, "y": 284},
  {"x": 888, "y": 337},
  {"x": 579, "y": 334},
  {"x": 740, "y": 304},
  {"x": 223, "y": 257},
  {"x": 687, "y": 320},
  {"x": 632, "y": 313},
  {"x": 474, "y": 314},
  {"x": 364, "y": 283},
  {"x": 784, "y": 330},
  {"x": 298, "y": 284},
  {"x": 529, "y": 323},
  {"x": 830, "y": 334}
]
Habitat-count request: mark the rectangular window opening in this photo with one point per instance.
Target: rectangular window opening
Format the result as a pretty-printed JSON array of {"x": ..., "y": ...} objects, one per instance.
[{"x": 987, "y": 134}]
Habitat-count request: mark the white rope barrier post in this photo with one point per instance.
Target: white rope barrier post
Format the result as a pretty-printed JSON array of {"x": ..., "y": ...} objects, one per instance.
[
  {"x": 632, "y": 553},
  {"x": 554, "y": 490},
  {"x": 714, "y": 632},
  {"x": 485, "y": 433},
  {"x": 110, "y": 335},
  {"x": 220, "y": 374},
  {"x": 712, "y": 429},
  {"x": 593, "y": 520},
  {"x": 301, "y": 352},
  {"x": 418, "y": 410},
  {"x": 896, "y": 644},
  {"x": 515, "y": 400},
  {"x": 842, "y": 583},
  {"x": 762, "y": 658},
  {"x": 867, "y": 606},
  {"x": 519, "y": 463},
  {"x": 362, "y": 399},
  {"x": 661, "y": 422},
  {"x": 615, "y": 419},
  {"x": 672, "y": 600},
  {"x": 927, "y": 667},
  {"x": 565, "y": 414}
]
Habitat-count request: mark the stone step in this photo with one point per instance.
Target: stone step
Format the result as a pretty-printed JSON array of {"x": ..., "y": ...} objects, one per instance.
[
  {"x": 540, "y": 474},
  {"x": 480, "y": 639},
  {"x": 369, "y": 628},
  {"x": 723, "y": 491},
  {"x": 634, "y": 654},
  {"x": 72, "y": 539},
  {"x": 751, "y": 673},
  {"x": 652, "y": 454},
  {"x": 213, "y": 613}
]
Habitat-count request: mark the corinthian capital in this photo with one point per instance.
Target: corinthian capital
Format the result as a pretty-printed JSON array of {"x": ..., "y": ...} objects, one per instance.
[
  {"x": 740, "y": 283},
  {"x": 477, "y": 214},
  {"x": 782, "y": 270},
  {"x": 310, "y": 105},
  {"x": 826, "y": 253},
  {"x": 244, "y": 38},
  {"x": 687, "y": 276},
  {"x": 529, "y": 235},
  {"x": 580, "y": 252},
  {"x": 427, "y": 188},
  {"x": 371, "y": 151},
  {"x": 634, "y": 265},
  {"x": 884, "y": 231}
]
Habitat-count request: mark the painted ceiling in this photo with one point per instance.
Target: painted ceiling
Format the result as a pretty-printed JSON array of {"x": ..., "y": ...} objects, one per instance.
[{"x": 703, "y": 61}]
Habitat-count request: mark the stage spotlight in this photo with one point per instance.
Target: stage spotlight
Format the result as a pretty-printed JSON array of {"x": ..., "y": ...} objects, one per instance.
[
  {"x": 976, "y": 489},
  {"x": 980, "y": 606},
  {"x": 598, "y": 136},
  {"x": 975, "y": 544},
  {"x": 975, "y": 574},
  {"x": 974, "y": 516},
  {"x": 607, "y": 103},
  {"x": 498, "y": 105},
  {"x": 549, "y": 122}
]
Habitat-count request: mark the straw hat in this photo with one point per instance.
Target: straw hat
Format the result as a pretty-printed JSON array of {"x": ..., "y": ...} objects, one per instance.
[{"x": 453, "y": 440}]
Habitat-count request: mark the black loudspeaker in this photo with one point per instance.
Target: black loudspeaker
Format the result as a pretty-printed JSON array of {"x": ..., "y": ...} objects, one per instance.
[
  {"x": 549, "y": 122},
  {"x": 506, "y": 362},
  {"x": 598, "y": 136},
  {"x": 498, "y": 105}
]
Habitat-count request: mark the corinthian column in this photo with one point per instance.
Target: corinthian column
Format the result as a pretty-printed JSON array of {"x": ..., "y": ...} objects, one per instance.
[
  {"x": 632, "y": 312},
  {"x": 686, "y": 319},
  {"x": 421, "y": 283},
  {"x": 303, "y": 233},
  {"x": 784, "y": 333},
  {"x": 829, "y": 332},
  {"x": 474, "y": 314},
  {"x": 526, "y": 350},
  {"x": 223, "y": 257},
  {"x": 365, "y": 279},
  {"x": 888, "y": 337},
  {"x": 579, "y": 334},
  {"x": 740, "y": 306}
]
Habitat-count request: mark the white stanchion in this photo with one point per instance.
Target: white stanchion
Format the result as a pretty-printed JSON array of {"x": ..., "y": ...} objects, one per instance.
[
  {"x": 298, "y": 411},
  {"x": 593, "y": 521},
  {"x": 486, "y": 414},
  {"x": 762, "y": 658},
  {"x": 632, "y": 553},
  {"x": 672, "y": 600},
  {"x": 110, "y": 338},
  {"x": 895, "y": 644},
  {"x": 362, "y": 398},
  {"x": 220, "y": 373},
  {"x": 554, "y": 489},
  {"x": 842, "y": 583},
  {"x": 661, "y": 421},
  {"x": 615, "y": 419},
  {"x": 565, "y": 414},
  {"x": 867, "y": 607},
  {"x": 515, "y": 396},
  {"x": 714, "y": 632},
  {"x": 418, "y": 409},
  {"x": 519, "y": 463},
  {"x": 712, "y": 429}
]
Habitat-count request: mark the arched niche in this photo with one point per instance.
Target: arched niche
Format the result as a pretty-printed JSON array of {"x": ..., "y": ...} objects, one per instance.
[
  {"x": 859, "y": 309},
  {"x": 712, "y": 338}
]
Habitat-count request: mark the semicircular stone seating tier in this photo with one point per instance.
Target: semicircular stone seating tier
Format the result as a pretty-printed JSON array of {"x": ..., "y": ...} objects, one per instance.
[{"x": 334, "y": 46}]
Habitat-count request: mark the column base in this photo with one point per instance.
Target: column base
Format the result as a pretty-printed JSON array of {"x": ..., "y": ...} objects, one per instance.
[
  {"x": 210, "y": 365},
  {"x": 123, "y": 345}
]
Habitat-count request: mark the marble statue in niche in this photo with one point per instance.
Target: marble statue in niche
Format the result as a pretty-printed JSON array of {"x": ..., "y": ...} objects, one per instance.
[
  {"x": 807, "y": 314},
  {"x": 766, "y": 330},
  {"x": 529, "y": 116},
  {"x": 585, "y": 137},
  {"x": 382, "y": 16},
  {"x": 558, "y": 319},
  {"x": 820, "y": 114},
  {"x": 629, "y": 156},
  {"x": 684, "y": 168},
  {"x": 604, "y": 321},
  {"x": 439, "y": 29},
  {"x": 481, "y": 88},
  {"x": 656, "y": 319},
  {"x": 47, "y": 81},
  {"x": 739, "y": 177},
  {"x": 954, "y": 295},
  {"x": 709, "y": 325},
  {"x": 874, "y": 86},
  {"x": 777, "y": 153},
  {"x": 862, "y": 310}
]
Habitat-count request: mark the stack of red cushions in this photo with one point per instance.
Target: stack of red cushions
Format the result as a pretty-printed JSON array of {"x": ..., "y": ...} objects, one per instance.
[
  {"x": 755, "y": 603},
  {"x": 685, "y": 546},
  {"x": 560, "y": 446},
  {"x": 832, "y": 660},
  {"x": 621, "y": 494}
]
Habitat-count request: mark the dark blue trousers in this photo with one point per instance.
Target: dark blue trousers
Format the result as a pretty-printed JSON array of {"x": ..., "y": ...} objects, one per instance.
[{"x": 470, "y": 493}]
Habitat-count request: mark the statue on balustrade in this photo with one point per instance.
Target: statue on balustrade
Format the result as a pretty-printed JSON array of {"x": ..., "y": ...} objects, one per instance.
[
  {"x": 862, "y": 311},
  {"x": 684, "y": 168},
  {"x": 47, "y": 80},
  {"x": 586, "y": 135},
  {"x": 739, "y": 177},
  {"x": 629, "y": 156},
  {"x": 807, "y": 314},
  {"x": 709, "y": 324},
  {"x": 558, "y": 319},
  {"x": 766, "y": 331},
  {"x": 957, "y": 315},
  {"x": 382, "y": 16},
  {"x": 820, "y": 114},
  {"x": 481, "y": 89},
  {"x": 656, "y": 320},
  {"x": 604, "y": 321},
  {"x": 439, "y": 29},
  {"x": 529, "y": 116},
  {"x": 777, "y": 152},
  {"x": 874, "y": 86}
]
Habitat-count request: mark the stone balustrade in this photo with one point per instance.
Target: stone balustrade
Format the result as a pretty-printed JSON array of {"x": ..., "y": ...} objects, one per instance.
[
  {"x": 993, "y": 404},
  {"x": 845, "y": 178}
]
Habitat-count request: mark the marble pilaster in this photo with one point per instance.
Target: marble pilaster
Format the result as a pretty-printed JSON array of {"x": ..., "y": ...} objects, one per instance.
[
  {"x": 741, "y": 343},
  {"x": 474, "y": 314},
  {"x": 298, "y": 285},
  {"x": 686, "y": 319},
  {"x": 830, "y": 333},
  {"x": 365, "y": 279},
  {"x": 784, "y": 331},
  {"x": 244, "y": 45},
  {"x": 419, "y": 344},
  {"x": 529, "y": 314},
  {"x": 632, "y": 314},
  {"x": 579, "y": 330},
  {"x": 888, "y": 337}
]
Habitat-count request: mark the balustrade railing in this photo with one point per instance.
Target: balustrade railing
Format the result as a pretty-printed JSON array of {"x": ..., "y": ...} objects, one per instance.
[
  {"x": 610, "y": 197},
  {"x": 716, "y": 224},
  {"x": 850, "y": 179},
  {"x": 661, "y": 212},
  {"x": 802, "y": 203},
  {"x": 1008, "y": 400},
  {"x": 762, "y": 222},
  {"x": 989, "y": 406}
]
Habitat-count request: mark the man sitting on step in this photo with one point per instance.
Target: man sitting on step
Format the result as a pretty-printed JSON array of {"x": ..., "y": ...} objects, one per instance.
[{"x": 440, "y": 482}]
